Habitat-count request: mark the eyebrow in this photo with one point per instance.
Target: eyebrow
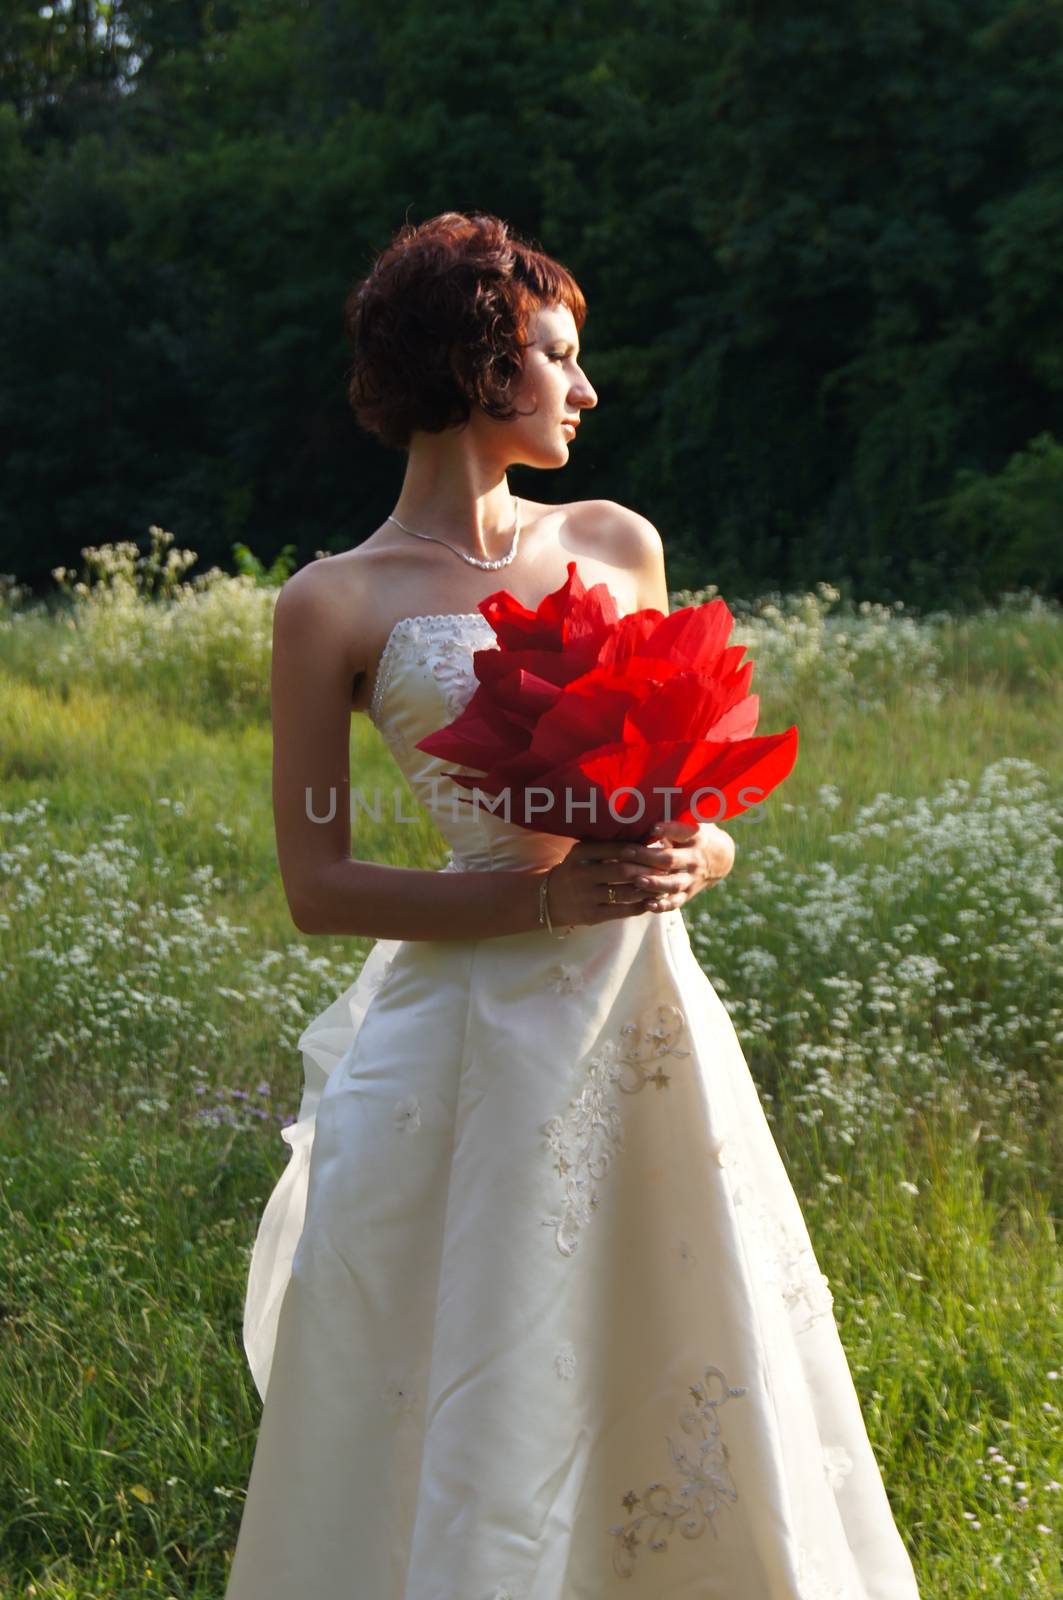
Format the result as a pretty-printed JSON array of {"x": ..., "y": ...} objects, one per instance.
[{"x": 559, "y": 340}]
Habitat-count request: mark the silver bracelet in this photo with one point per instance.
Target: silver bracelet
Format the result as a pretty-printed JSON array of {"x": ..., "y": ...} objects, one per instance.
[{"x": 544, "y": 909}]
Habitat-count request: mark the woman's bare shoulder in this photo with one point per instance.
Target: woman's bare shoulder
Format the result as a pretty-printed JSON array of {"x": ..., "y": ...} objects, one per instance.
[
  {"x": 342, "y": 583},
  {"x": 314, "y": 592},
  {"x": 616, "y": 533},
  {"x": 323, "y": 605},
  {"x": 345, "y": 602}
]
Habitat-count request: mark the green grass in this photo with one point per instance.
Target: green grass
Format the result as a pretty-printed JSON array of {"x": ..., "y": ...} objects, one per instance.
[{"x": 885, "y": 945}]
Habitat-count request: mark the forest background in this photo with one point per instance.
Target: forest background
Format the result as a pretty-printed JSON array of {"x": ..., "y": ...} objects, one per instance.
[{"x": 821, "y": 248}]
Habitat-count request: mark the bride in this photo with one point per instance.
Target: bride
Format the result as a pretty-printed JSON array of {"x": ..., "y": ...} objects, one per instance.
[{"x": 533, "y": 1309}]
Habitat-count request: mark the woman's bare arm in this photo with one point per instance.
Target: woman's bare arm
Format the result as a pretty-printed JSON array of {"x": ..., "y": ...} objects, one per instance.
[{"x": 314, "y": 650}]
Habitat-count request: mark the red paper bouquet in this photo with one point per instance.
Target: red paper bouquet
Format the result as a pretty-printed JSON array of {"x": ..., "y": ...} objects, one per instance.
[{"x": 595, "y": 726}]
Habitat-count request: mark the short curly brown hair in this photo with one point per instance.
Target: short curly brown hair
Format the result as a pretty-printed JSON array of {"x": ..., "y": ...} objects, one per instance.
[{"x": 440, "y": 323}]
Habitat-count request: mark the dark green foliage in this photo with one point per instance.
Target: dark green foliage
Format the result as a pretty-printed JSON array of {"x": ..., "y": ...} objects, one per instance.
[
  {"x": 1002, "y": 530},
  {"x": 272, "y": 578},
  {"x": 820, "y": 248}
]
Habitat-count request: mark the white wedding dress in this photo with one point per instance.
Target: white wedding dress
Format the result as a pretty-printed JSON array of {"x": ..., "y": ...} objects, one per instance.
[{"x": 533, "y": 1307}]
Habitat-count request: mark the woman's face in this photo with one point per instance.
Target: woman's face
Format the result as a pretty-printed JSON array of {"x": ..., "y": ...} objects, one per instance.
[{"x": 553, "y": 388}]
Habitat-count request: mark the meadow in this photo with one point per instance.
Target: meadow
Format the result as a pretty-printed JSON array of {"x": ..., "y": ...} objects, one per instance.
[{"x": 887, "y": 945}]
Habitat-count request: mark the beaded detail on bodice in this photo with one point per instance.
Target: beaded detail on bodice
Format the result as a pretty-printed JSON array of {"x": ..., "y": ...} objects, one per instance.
[
  {"x": 434, "y": 625},
  {"x": 424, "y": 680}
]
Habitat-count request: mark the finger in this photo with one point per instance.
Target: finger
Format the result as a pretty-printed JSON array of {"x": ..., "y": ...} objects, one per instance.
[
  {"x": 655, "y": 860},
  {"x": 611, "y": 849},
  {"x": 623, "y": 895},
  {"x": 674, "y": 888},
  {"x": 677, "y": 832},
  {"x": 672, "y": 863},
  {"x": 672, "y": 898},
  {"x": 657, "y": 886},
  {"x": 617, "y": 912},
  {"x": 655, "y": 847},
  {"x": 604, "y": 858},
  {"x": 621, "y": 874}
]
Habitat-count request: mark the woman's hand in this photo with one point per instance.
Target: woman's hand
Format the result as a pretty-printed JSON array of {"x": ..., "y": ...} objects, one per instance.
[
  {"x": 643, "y": 877},
  {"x": 688, "y": 859},
  {"x": 580, "y": 884}
]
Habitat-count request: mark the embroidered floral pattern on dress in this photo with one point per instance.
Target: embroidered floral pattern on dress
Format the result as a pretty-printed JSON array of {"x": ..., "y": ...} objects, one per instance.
[
  {"x": 837, "y": 1464},
  {"x": 812, "y": 1583},
  {"x": 565, "y": 1360},
  {"x": 564, "y": 978},
  {"x": 687, "y": 1258},
  {"x": 408, "y": 1114},
  {"x": 786, "y": 1258},
  {"x": 440, "y": 643},
  {"x": 591, "y": 1132},
  {"x": 398, "y": 1395},
  {"x": 706, "y": 1481}
]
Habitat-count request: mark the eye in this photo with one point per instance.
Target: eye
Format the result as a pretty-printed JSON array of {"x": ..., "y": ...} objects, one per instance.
[{"x": 557, "y": 355}]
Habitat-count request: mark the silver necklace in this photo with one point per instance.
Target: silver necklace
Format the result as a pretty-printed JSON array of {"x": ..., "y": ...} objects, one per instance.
[{"x": 475, "y": 561}]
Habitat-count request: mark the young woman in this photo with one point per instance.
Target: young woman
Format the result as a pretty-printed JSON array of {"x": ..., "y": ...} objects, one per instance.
[{"x": 533, "y": 1308}]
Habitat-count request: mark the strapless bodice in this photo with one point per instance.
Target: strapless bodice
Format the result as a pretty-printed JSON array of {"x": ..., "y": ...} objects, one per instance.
[{"x": 424, "y": 680}]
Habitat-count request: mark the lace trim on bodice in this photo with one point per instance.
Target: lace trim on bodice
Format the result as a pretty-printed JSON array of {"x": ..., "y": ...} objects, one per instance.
[{"x": 434, "y": 626}]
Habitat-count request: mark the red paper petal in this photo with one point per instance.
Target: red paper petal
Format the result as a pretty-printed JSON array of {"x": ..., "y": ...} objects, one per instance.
[
  {"x": 588, "y": 713},
  {"x": 694, "y": 635},
  {"x": 568, "y": 613},
  {"x": 740, "y": 722},
  {"x": 553, "y": 666},
  {"x": 477, "y": 737},
  {"x": 687, "y": 707}
]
